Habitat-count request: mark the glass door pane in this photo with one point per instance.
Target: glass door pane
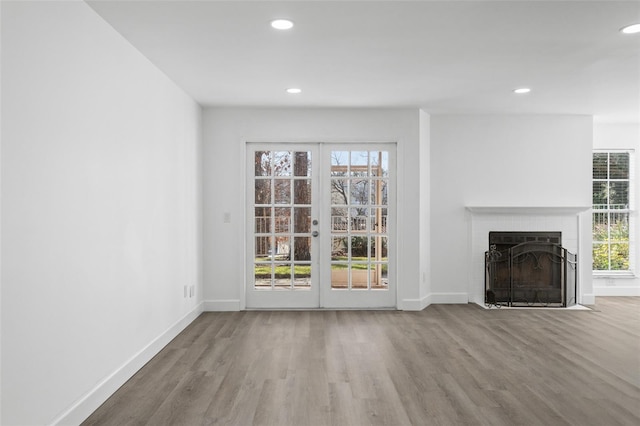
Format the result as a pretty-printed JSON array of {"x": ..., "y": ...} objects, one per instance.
[
  {"x": 283, "y": 265},
  {"x": 359, "y": 183}
]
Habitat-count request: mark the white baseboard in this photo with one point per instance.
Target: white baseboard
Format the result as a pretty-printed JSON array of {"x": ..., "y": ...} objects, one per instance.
[
  {"x": 587, "y": 299},
  {"x": 88, "y": 403},
  {"x": 616, "y": 291},
  {"x": 415, "y": 304},
  {"x": 229, "y": 305},
  {"x": 434, "y": 298},
  {"x": 449, "y": 298}
]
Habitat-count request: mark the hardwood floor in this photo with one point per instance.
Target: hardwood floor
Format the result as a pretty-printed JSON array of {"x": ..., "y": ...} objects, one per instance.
[{"x": 446, "y": 365}]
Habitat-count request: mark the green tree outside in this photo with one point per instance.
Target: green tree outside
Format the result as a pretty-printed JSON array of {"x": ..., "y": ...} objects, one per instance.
[{"x": 617, "y": 250}]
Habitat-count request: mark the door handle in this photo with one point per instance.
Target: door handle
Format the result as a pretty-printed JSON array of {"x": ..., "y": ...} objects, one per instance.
[{"x": 315, "y": 233}]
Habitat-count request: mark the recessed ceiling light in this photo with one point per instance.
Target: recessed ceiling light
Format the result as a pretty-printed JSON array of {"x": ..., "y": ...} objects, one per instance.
[
  {"x": 631, "y": 29},
  {"x": 294, "y": 90},
  {"x": 522, "y": 90},
  {"x": 282, "y": 24}
]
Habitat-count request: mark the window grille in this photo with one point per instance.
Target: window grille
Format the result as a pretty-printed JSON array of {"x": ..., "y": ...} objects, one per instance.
[{"x": 613, "y": 218}]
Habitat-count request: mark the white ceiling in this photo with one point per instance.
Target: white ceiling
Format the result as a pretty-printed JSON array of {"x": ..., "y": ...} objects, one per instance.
[{"x": 442, "y": 56}]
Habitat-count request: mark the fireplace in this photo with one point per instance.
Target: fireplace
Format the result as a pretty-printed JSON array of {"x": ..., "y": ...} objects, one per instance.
[{"x": 529, "y": 269}]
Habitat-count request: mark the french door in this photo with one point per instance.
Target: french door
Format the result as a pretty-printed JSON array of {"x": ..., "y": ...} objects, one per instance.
[{"x": 319, "y": 226}]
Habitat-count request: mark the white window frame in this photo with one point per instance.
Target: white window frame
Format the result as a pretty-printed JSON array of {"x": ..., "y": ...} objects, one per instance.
[{"x": 631, "y": 210}]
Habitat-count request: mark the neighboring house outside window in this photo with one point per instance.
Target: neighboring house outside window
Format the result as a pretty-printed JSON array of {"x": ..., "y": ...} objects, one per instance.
[{"x": 613, "y": 221}]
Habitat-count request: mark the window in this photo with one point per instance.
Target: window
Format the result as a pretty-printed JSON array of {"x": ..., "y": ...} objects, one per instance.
[{"x": 612, "y": 208}]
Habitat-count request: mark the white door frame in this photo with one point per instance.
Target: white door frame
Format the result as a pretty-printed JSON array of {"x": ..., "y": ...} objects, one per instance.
[
  {"x": 272, "y": 295},
  {"x": 354, "y": 297},
  {"x": 321, "y": 286}
]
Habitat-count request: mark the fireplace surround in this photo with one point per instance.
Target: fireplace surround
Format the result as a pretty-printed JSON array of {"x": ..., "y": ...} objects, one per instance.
[{"x": 574, "y": 222}]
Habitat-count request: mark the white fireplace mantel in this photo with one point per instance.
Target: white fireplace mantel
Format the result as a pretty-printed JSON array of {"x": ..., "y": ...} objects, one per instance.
[
  {"x": 534, "y": 210},
  {"x": 571, "y": 221}
]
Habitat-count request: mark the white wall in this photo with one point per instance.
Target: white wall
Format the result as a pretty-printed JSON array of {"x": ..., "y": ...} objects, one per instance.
[
  {"x": 100, "y": 225},
  {"x": 506, "y": 160},
  {"x": 225, "y": 133},
  {"x": 621, "y": 136}
]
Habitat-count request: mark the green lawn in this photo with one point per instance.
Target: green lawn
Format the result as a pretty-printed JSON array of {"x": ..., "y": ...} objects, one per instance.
[
  {"x": 282, "y": 271},
  {"x": 302, "y": 271}
]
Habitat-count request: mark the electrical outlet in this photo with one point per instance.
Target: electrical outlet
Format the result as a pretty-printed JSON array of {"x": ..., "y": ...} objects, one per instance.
[{"x": 226, "y": 217}]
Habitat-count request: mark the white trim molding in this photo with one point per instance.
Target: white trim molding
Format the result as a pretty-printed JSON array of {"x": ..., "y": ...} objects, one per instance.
[
  {"x": 434, "y": 298},
  {"x": 449, "y": 298},
  {"x": 414, "y": 304},
  {"x": 228, "y": 305},
  {"x": 89, "y": 402},
  {"x": 533, "y": 210}
]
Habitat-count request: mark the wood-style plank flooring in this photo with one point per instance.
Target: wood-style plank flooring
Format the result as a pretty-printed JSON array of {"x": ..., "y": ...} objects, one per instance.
[{"x": 446, "y": 365}]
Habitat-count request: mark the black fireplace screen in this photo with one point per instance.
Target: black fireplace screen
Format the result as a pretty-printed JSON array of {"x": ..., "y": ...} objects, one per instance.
[{"x": 533, "y": 273}]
